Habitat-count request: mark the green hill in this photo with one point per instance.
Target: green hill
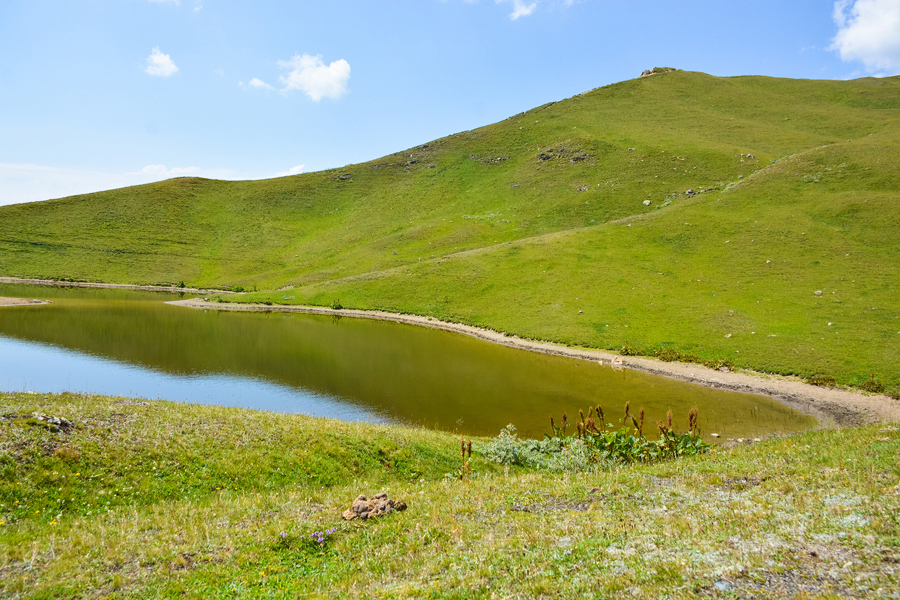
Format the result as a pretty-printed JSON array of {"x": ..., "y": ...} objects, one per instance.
[{"x": 538, "y": 226}]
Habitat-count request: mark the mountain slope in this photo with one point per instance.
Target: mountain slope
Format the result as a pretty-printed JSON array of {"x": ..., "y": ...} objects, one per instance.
[{"x": 803, "y": 174}]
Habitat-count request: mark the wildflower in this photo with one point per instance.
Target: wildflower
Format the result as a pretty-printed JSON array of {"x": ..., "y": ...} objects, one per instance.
[
  {"x": 283, "y": 535},
  {"x": 53, "y": 522}
]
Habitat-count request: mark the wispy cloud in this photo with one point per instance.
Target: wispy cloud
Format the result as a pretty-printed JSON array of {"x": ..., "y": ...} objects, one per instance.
[
  {"x": 520, "y": 8},
  {"x": 868, "y": 32},
  {"x": 313, "y": 77},
  {"x": 292, "y": 171},
  {"x": 259, "y": 83},
  {"x": 159, "y": 64}
]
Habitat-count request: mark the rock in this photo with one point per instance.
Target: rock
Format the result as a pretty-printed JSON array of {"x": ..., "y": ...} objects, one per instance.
[
  {"x": 750, "y": 156},
  {"x": 715, "y": 435},
  {"x": 724, "y": 369},
  {"x": 54, "y": 424},
  {"x": 646, "y": 203},
  {"x": 379, "y": 505},
  {"x": 723, "y": 586},
  {"x": 818, "y": 292}
]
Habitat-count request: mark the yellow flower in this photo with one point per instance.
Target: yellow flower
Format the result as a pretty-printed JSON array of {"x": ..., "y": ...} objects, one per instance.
[
  {"x": 53, "y": 522},
  {"x": 37, "y": 511},
  {"x": 78, "y": 473},
  {"x": 262, "y": 573}
]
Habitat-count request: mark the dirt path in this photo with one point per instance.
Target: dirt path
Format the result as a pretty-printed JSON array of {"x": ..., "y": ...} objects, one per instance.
[
  {"x": 114, "y": 286},
  {"x": 20, "y": 302},
  {"x": 829, "y": 405}
]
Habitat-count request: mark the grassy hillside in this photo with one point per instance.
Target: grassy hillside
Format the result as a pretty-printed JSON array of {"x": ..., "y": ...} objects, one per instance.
[
  {"x": 160, "y": 500},
  {"x": 520, "y": 225}
]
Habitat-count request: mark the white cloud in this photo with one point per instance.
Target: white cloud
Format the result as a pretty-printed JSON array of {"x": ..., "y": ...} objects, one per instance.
[
  {"x": 520, "y": 8},
  {"x": 292, "y": 171},
  {"x": 159, "y": 64},
  {"x": 311, "y": 76},
  {"x": 868, "y": 32},
  {"x": 259, "y": 83}
]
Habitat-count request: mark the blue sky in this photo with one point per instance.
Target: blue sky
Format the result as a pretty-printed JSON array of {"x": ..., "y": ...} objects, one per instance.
[{"x": 102, "y": 94}]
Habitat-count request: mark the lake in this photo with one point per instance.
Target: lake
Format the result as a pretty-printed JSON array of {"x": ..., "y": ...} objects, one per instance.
[{"x": 129, "y": 343}]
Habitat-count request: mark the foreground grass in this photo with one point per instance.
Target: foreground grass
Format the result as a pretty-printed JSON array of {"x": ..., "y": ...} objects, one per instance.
[{"x": 170, "y": 500}]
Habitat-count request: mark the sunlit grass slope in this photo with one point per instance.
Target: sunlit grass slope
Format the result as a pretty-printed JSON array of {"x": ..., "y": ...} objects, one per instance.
[
  {"x": 729, "y": 275},
  {"x": 161, "y": 500},
  {"x": 803, "y": 174}
]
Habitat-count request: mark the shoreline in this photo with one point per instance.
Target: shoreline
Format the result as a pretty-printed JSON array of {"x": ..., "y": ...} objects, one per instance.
[
  {"x": 113, "y": 286},
  {"x": 831, "y": 406}
]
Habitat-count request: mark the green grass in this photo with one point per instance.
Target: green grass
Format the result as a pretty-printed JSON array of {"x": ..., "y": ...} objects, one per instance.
[
  {"x": 477, "y": 227},
  {"x": 167, "y": 500}
]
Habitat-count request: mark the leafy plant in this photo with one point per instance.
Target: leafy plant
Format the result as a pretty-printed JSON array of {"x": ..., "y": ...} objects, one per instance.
[
  {"x": 873, "y": 385},
  {"x": 822, "y": 380},
  {"x": 237, "y": 289},
  {"x": 592, "y": 444}
]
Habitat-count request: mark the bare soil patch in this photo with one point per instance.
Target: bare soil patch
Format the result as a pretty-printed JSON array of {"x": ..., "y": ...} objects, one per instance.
[{"x": 20, "y": 301}]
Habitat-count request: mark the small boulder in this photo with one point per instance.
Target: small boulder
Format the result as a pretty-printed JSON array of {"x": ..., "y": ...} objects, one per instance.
[
  {"x": 368, "y": 508},
  {"x": 646, "y": 203}
]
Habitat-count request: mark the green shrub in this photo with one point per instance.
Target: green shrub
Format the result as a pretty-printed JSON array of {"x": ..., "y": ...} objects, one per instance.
[
  {"x": 873, "y": 385},
  {"x": 822, "y": 380},
  {"x": 238, "y": 288},
  {"x": 629, "y": 350},
  {"x": 591, "y": 446}
]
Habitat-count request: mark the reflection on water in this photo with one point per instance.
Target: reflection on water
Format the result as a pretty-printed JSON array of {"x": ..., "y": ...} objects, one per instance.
[{"x": 131, "y": 343}]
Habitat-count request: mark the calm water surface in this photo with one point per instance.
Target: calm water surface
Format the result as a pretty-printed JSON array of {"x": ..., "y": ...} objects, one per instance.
[{"x": 132, "y": 344}]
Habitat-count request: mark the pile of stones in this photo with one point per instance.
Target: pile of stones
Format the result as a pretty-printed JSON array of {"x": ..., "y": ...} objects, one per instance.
[{"x": 376, "y": 506}]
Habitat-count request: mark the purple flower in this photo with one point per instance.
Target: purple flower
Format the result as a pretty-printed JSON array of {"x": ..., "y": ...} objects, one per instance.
[{"x": 283, "y": 535}]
